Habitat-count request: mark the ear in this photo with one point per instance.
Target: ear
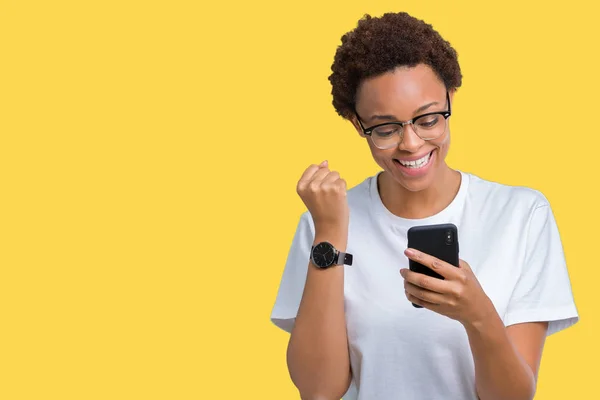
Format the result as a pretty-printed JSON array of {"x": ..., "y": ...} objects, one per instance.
[{"x": 354, "y": 120}]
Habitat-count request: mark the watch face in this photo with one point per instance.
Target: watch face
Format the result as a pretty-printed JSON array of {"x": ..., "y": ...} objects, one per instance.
[{"x": 323, "y": 254}]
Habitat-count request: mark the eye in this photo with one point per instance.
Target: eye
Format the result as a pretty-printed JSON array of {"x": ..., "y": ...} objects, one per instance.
[
  {"x": 386, "y": 130},
  {"x": 428, "y": 121}
]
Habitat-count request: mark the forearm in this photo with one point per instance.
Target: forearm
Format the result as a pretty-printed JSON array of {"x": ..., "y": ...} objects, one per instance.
[
  {"x": 500, "y": 371},
  {"x": 318, "y": 358}
]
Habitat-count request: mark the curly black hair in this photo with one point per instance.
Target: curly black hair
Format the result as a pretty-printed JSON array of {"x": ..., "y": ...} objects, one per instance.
[{"x": 378, "y": 45}]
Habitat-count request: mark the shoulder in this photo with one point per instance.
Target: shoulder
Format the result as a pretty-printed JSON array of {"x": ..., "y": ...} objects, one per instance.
[{"x": 502, "y": 196}]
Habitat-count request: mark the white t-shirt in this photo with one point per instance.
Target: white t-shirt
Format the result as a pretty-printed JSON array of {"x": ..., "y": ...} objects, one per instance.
[{"x": 509, "y": 237}]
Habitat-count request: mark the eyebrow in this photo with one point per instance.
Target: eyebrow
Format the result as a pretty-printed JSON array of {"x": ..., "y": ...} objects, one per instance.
[{"x": 391, "y": 117}]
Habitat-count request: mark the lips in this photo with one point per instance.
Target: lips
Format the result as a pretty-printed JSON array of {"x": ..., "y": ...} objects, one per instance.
[
  {"x": 417, "y": 166},
  {"x": 415, "y": 161}
]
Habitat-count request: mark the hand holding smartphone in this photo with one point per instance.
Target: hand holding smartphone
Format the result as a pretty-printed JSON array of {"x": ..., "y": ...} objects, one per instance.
[{"x": 439, "y": 241}]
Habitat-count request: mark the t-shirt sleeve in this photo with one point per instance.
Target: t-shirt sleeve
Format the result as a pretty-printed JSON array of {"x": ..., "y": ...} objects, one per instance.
[
  {"x": 543, "y": 291},
  {"x": 293, "y": 280}
]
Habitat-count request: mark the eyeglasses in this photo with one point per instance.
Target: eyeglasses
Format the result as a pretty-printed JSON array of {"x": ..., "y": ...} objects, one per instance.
[{"x": 428, "y": 126}]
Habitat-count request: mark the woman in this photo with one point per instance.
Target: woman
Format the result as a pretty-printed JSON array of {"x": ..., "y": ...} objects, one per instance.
[{"x": 354, "y": 329}]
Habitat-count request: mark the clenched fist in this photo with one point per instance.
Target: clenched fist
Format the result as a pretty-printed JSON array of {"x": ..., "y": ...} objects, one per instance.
[{"x": 324, "y": 194}]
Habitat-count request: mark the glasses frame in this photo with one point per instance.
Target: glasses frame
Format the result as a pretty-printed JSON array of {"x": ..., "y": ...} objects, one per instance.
[{"x": 369, "y": 131}]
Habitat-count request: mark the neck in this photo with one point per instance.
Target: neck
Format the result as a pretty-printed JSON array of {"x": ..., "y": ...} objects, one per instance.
[{"x": 425, "y": 203}]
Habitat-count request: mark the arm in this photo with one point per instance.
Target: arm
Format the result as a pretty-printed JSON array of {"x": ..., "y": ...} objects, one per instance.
[
  {"x": 506, "y": 359},
  {"x": 318, "y": 358}
]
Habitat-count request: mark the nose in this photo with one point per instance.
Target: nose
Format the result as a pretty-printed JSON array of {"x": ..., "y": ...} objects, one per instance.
[{"x": 411, "y": 142}]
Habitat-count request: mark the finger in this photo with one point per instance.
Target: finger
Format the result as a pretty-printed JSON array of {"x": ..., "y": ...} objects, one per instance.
[
  {"x": 425, "y": 282},
  {"x": 441, "y": 267},
  {"x": 336, "y": 184},
  {"x": 424, "y": 294},
  {"x": 420, "y": 302},
  {"x": 309, "y": 173},
  {"x": 330, "y": 179},
  {"x": 318, "y": 177}
]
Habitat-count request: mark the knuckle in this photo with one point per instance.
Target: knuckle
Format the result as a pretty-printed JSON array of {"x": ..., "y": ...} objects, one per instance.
[
  {"x": 424, "y": 282},
  {"x": 327, "y": 187},
  {"x": 313, "y": 186},
  {"x": 457, "y": 293},
  {"x": 342, "y": 186}
]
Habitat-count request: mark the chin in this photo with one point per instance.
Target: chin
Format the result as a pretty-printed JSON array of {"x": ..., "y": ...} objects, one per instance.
[{"x": 414, "y": 185}]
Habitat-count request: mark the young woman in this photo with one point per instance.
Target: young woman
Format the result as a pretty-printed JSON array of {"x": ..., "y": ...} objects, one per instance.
[{"x": 347, "y": 294}]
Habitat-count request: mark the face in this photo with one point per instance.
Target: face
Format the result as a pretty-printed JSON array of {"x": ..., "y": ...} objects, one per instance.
[{"x": 401, "y": 95}]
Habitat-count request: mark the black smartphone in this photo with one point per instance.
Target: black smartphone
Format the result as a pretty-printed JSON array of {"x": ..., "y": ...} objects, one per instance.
[{"x": 439, "y": 241}]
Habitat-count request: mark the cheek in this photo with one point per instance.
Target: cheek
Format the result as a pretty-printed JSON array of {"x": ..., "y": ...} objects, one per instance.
[
  {"x": 444, "y": 144},
  {"x": 381, "y": 157}
]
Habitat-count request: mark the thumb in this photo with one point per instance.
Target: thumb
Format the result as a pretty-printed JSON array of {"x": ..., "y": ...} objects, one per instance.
[{"x": 323, "y": 164}]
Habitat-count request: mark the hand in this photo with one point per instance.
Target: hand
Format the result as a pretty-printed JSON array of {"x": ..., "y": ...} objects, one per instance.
[
  {"x": 324, "y": 194},
  {"x": 458, "y": 296}
]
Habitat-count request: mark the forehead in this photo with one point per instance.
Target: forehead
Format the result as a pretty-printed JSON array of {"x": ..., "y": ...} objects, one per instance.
[{"x": 399, "y": 92}]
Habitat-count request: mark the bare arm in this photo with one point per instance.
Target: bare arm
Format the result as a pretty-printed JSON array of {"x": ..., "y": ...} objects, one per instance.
[
  {"x": 318, "y": 358},
  {"x": 506, "y": 359}
]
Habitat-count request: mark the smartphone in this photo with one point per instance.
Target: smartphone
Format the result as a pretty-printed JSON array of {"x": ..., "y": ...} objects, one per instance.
[{"x": 439, "y": 241}]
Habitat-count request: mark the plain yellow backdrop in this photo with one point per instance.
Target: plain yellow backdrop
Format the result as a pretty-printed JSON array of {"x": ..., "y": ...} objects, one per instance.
[{"x": 149, "y": 152}]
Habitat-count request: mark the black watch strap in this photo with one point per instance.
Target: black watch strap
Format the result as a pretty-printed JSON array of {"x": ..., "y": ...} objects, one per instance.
[{"x": 344, "y": 259}]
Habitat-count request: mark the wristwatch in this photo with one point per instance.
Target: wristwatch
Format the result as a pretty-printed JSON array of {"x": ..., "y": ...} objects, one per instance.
[{"x": 324, "y": 255}]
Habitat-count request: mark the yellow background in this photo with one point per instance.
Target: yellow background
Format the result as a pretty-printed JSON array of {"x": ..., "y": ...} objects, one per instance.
[{"x": 148, "y": 159}]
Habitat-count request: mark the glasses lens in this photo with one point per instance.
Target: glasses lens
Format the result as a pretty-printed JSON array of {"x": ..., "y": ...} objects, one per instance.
[
  {"x": 427, "y": 127},
  {"x": 430, "y": 126},
  {"x": 386, "y": 136}
]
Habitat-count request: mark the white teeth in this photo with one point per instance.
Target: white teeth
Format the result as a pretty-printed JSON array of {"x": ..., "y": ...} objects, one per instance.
[{"x": 417, "y": 163}]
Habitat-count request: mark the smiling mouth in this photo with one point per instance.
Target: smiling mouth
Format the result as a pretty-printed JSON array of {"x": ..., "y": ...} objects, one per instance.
[{"x": 416, "y": 164}]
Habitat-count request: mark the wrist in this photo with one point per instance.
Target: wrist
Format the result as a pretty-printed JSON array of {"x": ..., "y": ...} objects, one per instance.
[
  {"x": 485, "y": 318},
  {"x": 335, "y": 234}
]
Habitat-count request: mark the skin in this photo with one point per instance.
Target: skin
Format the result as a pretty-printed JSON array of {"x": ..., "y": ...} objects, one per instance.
[
  {"x": 506, "y": 359},
  {"x": 400, "y": 93},
  {"x": 317, "y": 356}
]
